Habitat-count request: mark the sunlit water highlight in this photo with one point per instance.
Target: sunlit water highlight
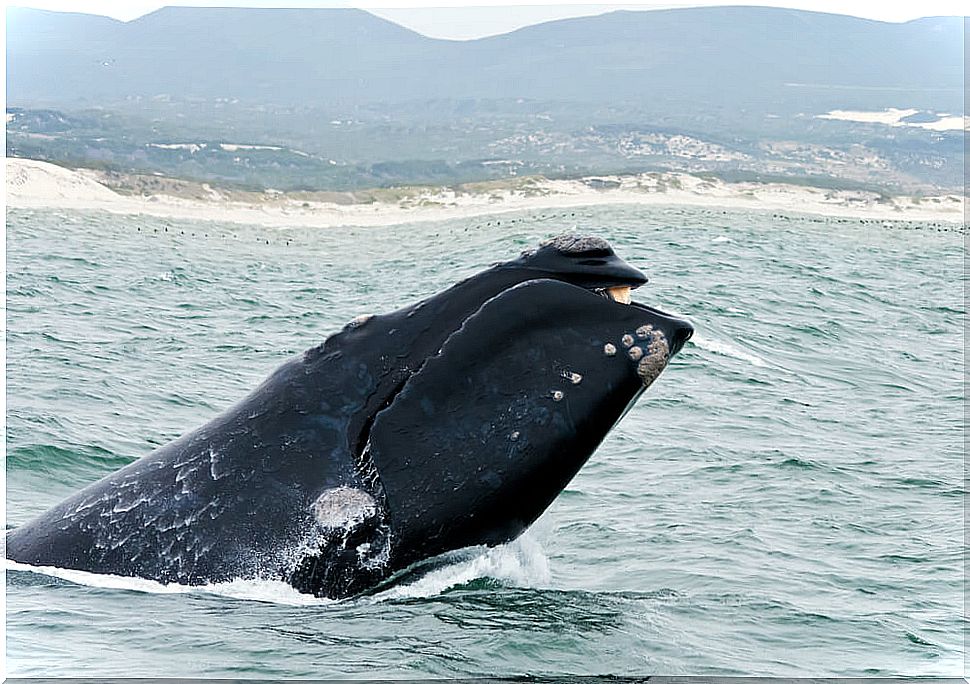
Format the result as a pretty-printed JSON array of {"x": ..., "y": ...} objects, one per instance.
[{"x": 785, "y": 500}]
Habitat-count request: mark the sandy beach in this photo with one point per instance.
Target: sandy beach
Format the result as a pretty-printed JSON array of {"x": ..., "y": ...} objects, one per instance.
[{"x": 36, "y": 184}]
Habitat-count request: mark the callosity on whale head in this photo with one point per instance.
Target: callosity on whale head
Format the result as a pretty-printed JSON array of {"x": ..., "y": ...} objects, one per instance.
[{"x": 452, "y": 422}]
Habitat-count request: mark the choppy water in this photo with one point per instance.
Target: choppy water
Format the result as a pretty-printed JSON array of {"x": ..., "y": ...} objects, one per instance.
[{"x": 785, "y": 500}]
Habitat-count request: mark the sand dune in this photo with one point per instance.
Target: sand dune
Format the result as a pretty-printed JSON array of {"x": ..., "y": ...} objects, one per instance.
[
  {"x": 39, "y": 184},
  {"x": 32, "y": 182}
]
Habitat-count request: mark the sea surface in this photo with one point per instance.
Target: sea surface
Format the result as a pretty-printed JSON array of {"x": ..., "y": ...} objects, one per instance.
[{"x": 787, "y": 499}]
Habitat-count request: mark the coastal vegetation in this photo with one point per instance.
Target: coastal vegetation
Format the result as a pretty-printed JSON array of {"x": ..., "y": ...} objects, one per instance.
[{"x": 352, "y": 102}]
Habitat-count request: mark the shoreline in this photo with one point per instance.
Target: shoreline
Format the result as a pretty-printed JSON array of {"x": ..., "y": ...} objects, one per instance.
[{"x": 34, "y": 184}]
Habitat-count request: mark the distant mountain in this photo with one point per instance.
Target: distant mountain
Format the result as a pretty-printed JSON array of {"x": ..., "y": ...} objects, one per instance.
[
  {"x": 275, "y": 56},
  {"x": 683, "y": 60},
  {"x": 736, "y": 56},
  {"x": 341, "y": 99}
]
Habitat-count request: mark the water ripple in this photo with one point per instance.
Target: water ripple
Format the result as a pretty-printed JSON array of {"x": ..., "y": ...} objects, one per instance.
[{"x": 785, "y": 501}]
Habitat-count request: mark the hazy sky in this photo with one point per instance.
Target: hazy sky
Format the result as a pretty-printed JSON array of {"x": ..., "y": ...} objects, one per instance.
[{"x": 464, "y": 20}]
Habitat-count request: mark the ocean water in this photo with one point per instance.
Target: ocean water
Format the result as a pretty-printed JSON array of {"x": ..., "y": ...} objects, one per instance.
[{"x": 787, "y": 499}]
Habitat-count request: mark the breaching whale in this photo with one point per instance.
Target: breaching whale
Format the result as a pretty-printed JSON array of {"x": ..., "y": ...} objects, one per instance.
[{"x": 449, "y": 423}]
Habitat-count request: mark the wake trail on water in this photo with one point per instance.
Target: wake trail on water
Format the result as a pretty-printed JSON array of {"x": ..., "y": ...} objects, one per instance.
[
  {"x": 727, "y": 349},
  {"x": 520, "y": 563},
  {"x": 719, "y": 346}
]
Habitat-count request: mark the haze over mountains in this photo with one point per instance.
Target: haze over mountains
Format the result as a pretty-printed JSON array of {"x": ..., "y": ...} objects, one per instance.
[
  {"x": 726, "y": 76},
  {"x": 727, "y": 56}
]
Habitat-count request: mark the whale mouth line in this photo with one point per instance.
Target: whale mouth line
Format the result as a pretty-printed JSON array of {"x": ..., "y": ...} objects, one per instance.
[{"x": 616, "y": 293}]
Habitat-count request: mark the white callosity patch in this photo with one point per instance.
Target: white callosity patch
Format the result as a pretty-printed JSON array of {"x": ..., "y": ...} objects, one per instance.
[
  {"x": 343, "y": 508},
  {"x": 576, "y": 244},
  {"x": 574, "y": 378},
  {"x": 655, "y": 360},
  {"x": 347, "y": 519},
  {"x": 651, "y": 355}
]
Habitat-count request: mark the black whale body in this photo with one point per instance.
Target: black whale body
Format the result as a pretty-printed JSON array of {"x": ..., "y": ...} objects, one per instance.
[{"x": 449, "y": 423}]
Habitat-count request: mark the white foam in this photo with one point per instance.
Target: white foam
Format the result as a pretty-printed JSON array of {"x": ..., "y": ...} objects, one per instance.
[
  {"x": 92, "y": 579},
  {"x": 521, "y": 563},
  {"x": 727, "y": 349},
  {"x": 268, "y": 591}
]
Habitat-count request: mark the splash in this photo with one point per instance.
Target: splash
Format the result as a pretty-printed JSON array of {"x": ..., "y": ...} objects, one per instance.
[
  {"x": 265, "y": 591},
  {"x": 520, "y": 563}
]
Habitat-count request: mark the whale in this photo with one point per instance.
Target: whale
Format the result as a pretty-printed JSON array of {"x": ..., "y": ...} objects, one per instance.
[{"x": 450, "y": 423}]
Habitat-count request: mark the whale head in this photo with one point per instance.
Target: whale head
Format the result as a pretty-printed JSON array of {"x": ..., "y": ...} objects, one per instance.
[{"x": 496, "y": 421}]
